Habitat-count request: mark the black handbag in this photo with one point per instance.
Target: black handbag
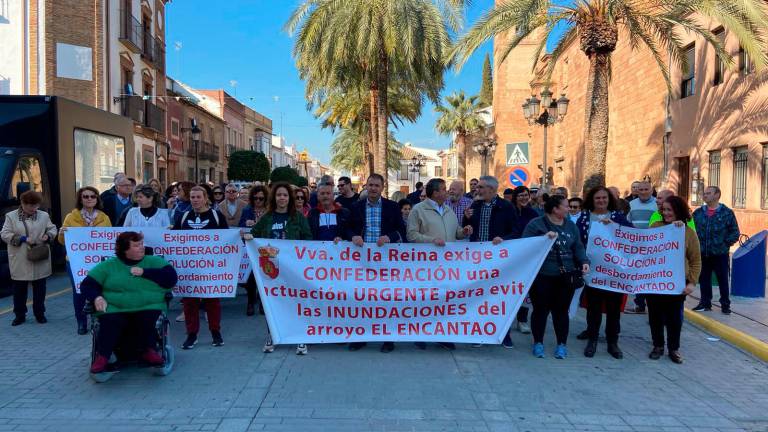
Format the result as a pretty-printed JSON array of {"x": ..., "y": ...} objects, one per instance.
[
  {"x": 38, "y": 252},
  {"x": 573, "y": 279}
]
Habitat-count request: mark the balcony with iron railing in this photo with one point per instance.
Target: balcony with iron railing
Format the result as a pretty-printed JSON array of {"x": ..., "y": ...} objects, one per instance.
[
  {"x": 139, "y": 41},
  {"x": 143, "y": 112},
  {"x": 131, "y": 32}
]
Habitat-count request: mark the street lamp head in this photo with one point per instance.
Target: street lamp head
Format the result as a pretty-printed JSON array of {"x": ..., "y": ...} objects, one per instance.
[
  {"x": 552, "y": 111},
  {"x": 533, "y": 104},
  {"x": 546, "y": 97},
  {"x": 196, "y": 132},
  {"x": 527, "y": 109},
  {"x": 562, "y": 106}
]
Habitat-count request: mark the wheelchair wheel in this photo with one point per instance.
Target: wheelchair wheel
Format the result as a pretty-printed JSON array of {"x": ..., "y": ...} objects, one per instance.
[{"x": 169, "y": 356}]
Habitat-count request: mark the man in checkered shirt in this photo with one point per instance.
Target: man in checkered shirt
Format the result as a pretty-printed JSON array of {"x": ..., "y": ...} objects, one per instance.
[
  {"x": 491, "y": 218},
  {"x": 375, "y": 220}
]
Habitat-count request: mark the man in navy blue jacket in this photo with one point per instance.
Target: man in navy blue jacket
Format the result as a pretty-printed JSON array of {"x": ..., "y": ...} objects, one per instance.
[
  {"x": 491, "y": 217},
  {"x": 375, "y": 220}
]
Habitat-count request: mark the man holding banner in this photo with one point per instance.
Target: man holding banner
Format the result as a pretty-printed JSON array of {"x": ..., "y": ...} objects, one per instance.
[
  {"x": 433, "y": 221},
  {"x": 375, "y": 220}
]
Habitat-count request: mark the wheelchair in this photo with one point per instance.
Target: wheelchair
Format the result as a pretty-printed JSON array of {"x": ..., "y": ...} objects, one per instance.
[{"x": 126, "y": 353}]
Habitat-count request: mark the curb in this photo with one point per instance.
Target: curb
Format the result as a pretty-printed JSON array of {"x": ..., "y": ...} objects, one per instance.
[{"x": 735, "y": 337}]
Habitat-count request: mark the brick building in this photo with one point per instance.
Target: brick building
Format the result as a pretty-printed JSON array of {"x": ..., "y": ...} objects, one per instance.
[
  {"x": 711, "y": 130},
  {"x": 185, "y": 106},
  {"x": 109, "y": 54}
]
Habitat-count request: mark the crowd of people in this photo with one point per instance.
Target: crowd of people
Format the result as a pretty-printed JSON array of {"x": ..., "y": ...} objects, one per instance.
[{"x": 435, "y": 213}]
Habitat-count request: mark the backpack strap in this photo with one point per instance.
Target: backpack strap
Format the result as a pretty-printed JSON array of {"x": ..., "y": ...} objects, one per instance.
[{"x": 183, "y": 219}]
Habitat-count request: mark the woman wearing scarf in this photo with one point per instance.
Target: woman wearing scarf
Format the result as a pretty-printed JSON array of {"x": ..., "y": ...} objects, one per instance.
[{"x": 87, "y": 213}]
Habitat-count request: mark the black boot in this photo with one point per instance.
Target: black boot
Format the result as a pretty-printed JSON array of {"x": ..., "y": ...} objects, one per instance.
[
  {"x": 82, "y": 328},
  {"x": 615, "y": 351},
  {"x": 583, "y": 335},
  {"x": 249, "y": 310},
  {"x": 590, "y": 349},
  {"x": 18, "y": 320}
]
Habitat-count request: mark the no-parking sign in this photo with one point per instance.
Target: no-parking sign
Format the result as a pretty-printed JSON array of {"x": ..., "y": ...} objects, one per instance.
[{"x": 518, "y": 176}]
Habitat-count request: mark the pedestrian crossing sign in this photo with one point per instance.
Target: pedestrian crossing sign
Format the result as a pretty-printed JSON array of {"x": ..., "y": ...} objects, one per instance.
[{"x": 517, "y": 154}]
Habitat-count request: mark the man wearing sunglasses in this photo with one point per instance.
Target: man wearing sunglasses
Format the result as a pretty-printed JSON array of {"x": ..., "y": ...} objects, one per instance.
[
  {"x": 347, "y": 197},
  {"x": 232, "y": 206}
]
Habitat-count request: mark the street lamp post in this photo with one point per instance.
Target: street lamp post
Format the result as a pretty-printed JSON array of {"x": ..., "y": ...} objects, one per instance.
[
  {"x": 195, "y": 135},
  {"x": 545, "y": 112},
  {"x": 414, "y": 166},
  {"x": 485, "y": 147}
]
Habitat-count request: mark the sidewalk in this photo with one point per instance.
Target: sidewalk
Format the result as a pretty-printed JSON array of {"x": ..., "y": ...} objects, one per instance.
[
  {"x": 746, "y": 326},
  {"x": 44, "y": 384}
]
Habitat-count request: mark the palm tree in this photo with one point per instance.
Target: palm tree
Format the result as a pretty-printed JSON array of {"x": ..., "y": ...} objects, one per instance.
[
  {"x": 597, "y": 25},
  {"x": 460, "y": 117},
  {"x": 348, "y": 150},
  {"x": 351, "y": 110},
  {"x": 372, "y": 43}
]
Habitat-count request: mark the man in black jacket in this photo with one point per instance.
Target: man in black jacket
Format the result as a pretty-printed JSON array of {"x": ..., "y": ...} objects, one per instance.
[
  {"x": 375, "y": 220},
  {"x": 415, "y": 196},
  {"x": 328, "y": 220},
  {"x": 493, "y": 219}
]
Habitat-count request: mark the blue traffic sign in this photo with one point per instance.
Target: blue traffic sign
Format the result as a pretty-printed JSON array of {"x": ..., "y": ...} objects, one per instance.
[{"x": 519, "y": 176}]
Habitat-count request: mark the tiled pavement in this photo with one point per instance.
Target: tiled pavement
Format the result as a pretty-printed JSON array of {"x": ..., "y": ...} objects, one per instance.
[{"x": 44, "y": 385}]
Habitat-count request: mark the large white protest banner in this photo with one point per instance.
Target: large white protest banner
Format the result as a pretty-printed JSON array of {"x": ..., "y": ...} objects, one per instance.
[
  {"x": 206, "y": 261},
  {"x": 636, "y": 261},
  {"x": 319, "y": 292}
]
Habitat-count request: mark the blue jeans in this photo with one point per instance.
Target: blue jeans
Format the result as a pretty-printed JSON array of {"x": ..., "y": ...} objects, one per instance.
[
  {"x": 720, "y": 264},
  {"x": 78, "y": 300}
]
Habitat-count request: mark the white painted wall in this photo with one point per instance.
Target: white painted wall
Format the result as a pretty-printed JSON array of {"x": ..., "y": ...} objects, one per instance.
[{"x": 12, "y": 41}]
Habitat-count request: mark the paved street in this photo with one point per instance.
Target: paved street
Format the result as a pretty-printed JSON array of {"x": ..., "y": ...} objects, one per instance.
[{"x": 44, "y": 385}]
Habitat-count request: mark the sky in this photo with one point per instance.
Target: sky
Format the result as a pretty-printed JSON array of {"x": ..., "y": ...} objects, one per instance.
[{"x": 240, "y": 46}]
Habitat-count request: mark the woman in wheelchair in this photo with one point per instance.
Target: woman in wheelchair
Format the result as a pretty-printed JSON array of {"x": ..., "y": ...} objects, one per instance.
[{"x": 128, "y": 291}]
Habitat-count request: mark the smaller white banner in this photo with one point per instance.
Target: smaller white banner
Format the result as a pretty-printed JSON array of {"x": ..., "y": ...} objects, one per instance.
[
  {"x": 206, "y": 261},
  {"x": 637, "y": 261}
]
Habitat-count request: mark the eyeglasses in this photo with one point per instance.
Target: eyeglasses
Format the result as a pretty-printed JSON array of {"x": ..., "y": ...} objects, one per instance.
[
  {"x": 574, "y": 207},
  {"x": 229, "y": 191},
  {"x": 300, "y": 197},
  {"x": 88, "y": 196},
  {"x": 258, "y": 198}
]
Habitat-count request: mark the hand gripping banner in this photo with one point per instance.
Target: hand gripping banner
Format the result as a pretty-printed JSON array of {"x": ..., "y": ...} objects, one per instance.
[
  {"x": 206, "y": 261},
  {"x": 320, "y": 292}
]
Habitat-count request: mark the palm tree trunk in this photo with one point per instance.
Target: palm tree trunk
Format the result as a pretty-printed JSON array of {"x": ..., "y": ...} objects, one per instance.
[
  {"x": 596, "y": 134},
  {"x": 373, "y": 146},
  {"x": 383, "y": 119},
  {"x": 368, "y": 153},
  {"x": 461, "y": 156}
]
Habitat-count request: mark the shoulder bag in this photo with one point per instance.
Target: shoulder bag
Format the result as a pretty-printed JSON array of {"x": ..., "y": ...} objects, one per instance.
[
  {"x": 38, "y": 252},
  {"x": 573, "y": 279}
]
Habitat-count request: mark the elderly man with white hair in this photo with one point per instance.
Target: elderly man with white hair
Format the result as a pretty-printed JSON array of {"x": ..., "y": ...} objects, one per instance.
[{"x": 457, "y": 201}]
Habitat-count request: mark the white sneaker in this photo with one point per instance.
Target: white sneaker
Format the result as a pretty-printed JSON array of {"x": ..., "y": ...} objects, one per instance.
[
  {"x": 301, "y": 349},
  {"x": 523, "y": 327},
  {"x": 180, "y": 318},
  {"x": 268, "y": 345}
]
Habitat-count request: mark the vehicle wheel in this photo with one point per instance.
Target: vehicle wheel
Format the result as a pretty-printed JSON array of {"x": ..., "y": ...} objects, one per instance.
[
  {"x": 170, "y": 357},
  {"x": 102, "y": 377}
]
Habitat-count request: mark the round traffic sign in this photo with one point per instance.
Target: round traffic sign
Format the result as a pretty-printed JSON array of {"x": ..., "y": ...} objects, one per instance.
[{"x": 519, "y": 176}]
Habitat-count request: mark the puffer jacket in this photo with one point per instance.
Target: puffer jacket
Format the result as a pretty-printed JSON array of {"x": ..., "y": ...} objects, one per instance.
[{"x": 717, "y": 233}]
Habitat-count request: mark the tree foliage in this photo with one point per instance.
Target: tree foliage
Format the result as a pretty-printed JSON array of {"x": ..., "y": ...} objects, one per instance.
[
  {"x": 657, "y": 26},
  {"x": 286, "y": 174},
  {"x": 248, "y": 165},
  {"x": 486, "y": 90},
  {"x": 460, "y": 117},
  {"x": 374, "y": 45},
  {"x": 347, "y": 151}
]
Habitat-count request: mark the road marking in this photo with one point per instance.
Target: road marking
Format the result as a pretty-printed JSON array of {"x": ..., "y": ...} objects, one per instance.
[{"x": 29, "y": 303}]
